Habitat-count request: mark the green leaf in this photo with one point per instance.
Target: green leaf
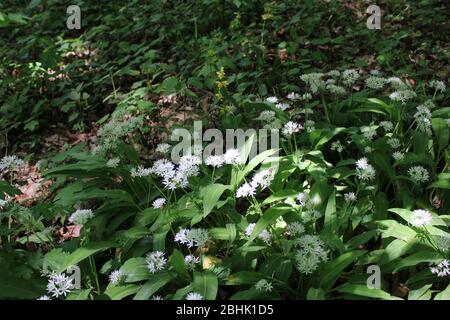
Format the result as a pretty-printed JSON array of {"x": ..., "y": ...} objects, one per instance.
[
  {"x": 228, "y": 233},
  {"x": 211, "y": 195},
  {"x": 333, "y": 269},
  {"x": 443, "y": 295},
  {"x": 135, "y": 269},
  {"x": 84, "y": 252},
  {"x": 364, "y": 291},
  {"x": 441, "y": 131},
  {"x": 315, "y": 294},
  {"x": 79, "y": 294},
  {"x": 268, "y": 218},
  {"x": 331, "y": 222},
  {"x": 120, "y": 292},
  {"x": 177, "y": 262},
  {"x": 156, "y": 282},
  {"x": 206, "y": 284}
]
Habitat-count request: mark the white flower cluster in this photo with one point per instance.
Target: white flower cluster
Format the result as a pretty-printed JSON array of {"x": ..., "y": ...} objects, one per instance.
[
  {"x": 261, "y": 179},
  {"x": 59, "y": 284},
  {"x": 173, "y": 177},
  {"x": 442, "y": 269},
  {"x": 116, "y": 277},
  {"x": 420, "y": 218},
  {"x": 337, "y": 146},
  {"x": 295, "y": 229},
  {"x": 155, "y": 261},
  {"x": 291, "y": 128},
  {"x": 112, "y": 133},
  {"x": 397, "y": 83},
  {"x": 437, "y": 85},
  {"x": 194, "y": 296},
  {"x": 3, "y": 203},
  {"x": 272, "y": 100},
  {"x": 402, "y": 95},
  {"x": 350, "y": 197},
  {"x": 310, "y": 254},
  {"x": 293, "y": 96},
  {"x": 81, "y": 216},
  {"x": 369, "y": 132},
  {"x": 423, "y": 119},
  {"x": 215, "y": 161},
  {"x": 159, "y": 203},
  {"x": 418, "y": 174},
  {"x": 191, "y": 261},
  {"x": 398, "y": 156},
  {"x": 264, "y": 235},
  {"x": 196, "y": 237},
  {"x": 113, "y": 163},
  {"x": 310, "y": 126},
  {"x": 314, "y": 81},
  {"x": 309, "y": 213},
  {"x": 394, "y": 143},
  {"x": 267, "y": 115},
  {"x": 334, "y": 89},
  {"x": 364, "y": 170},
  {"x": 162, "y": 148},
  {"x": 375, "y": 83},
  {"x": 349, "y": 77},
  {"x": 282, "y": 106},
  {"x": 10, "y": 163},
  {"x": 387, "y": 125},
  {"x": 264, "y": 285}
]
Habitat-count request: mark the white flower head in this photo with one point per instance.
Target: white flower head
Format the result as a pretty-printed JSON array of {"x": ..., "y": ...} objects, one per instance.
[
  {"x": 442, "y": 269},
  {"x": 163, "y": 148},
  {"x": 264, "y": 285},
  {"x": 387, "y": 125},
  {"x": 295, "y": 229},
  {"x": 81, "y": 216},
  {"x": 246, "y": 190},
  {"x": 420, "y": 218},
  {"x": 44, "y": 297},
  {"x": 418, "y": 174},
  {"x": 437, "y": 85},
  {"x": 291, "y": 128},
  {"x": 116, "y": 277},
  {"x": 155, "y": 261},
  {"x": 159, "y": 203},
  {"x": 140, "y": 171},
  {"x": 310, "y": 254},
  {"x": 293, "y": 96},
  {"x": 197, "y": 237},
  {"x": 215, "y": 161},
  {"x": 191, "y": 261},
  {"x": 232, "y": 156},
  {"x": 349, "y": 77},
  {"x": 398, "y": 156},
  {"x": 59, "y": 284},
  {"x": 113, "y": 163},
  {"x": 350, "y": 197},
  {"x": 11, "y": 163},
  {"x": 194, "y": 296}
]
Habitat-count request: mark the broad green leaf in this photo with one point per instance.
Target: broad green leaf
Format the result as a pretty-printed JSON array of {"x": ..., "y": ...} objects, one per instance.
[
  {"x": 364, "y": 291},
  {"x": 268, "y": 218},
  {"x": 211, "y": 195},
  {"x": 82, "y": 253},
  {"x": 206, "y": 284},
  {"x": 333, "y": 269},
  {"x": 444, "y": 294},
  {"x": 135, "y": 269},
  {"x": 156, "y": 282},
  {"x": 120, "y": 292}
]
